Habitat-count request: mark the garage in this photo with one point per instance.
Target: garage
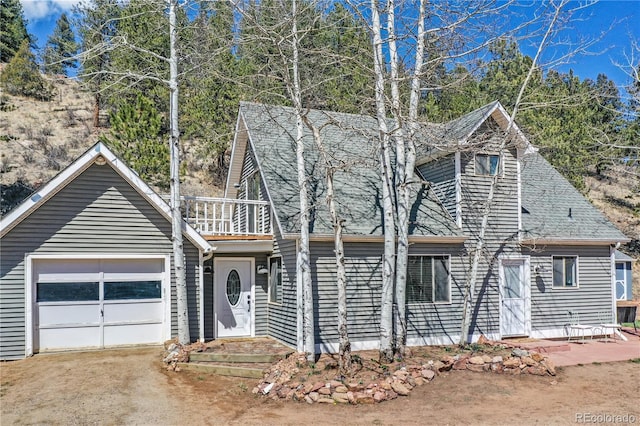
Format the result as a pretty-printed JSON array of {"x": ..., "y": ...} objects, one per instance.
[{"x": 99, "y": 303}]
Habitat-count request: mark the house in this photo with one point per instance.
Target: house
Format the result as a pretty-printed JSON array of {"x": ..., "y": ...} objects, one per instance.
[{"x": 547, "y": 250}]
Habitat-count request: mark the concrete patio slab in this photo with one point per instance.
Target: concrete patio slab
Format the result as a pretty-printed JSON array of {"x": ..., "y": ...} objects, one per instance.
[{"x": 597, "y": 350}]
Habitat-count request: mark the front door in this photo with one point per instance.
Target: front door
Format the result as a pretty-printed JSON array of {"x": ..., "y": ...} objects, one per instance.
[
  {"x": 514, "y": 294},
  {"x": 233, "y": 296}
]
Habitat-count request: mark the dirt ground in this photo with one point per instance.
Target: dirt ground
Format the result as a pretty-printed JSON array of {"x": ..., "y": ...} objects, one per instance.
[{"x": 129, "y": 386}]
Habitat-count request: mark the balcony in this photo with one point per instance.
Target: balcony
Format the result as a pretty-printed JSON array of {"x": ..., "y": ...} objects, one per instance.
[{"x": 225, "y": 218}]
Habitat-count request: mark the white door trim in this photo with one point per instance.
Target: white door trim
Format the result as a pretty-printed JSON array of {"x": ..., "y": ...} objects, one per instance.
[
  {"x": 527, "y": 289},
  {"x": 216, "y": 286},
  {"x": 29, "y": 285}
]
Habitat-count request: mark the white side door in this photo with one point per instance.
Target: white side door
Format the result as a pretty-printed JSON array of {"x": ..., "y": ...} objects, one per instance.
[
  {"x": 514, "y": 295},
  {"x": 234, "y": 307}
]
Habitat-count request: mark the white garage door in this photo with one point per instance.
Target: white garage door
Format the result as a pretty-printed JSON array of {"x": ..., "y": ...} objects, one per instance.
[{"x": 96, "y": 303}]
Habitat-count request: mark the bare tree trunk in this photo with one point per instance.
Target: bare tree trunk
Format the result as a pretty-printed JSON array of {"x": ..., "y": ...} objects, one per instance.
[
  {"x": 406, "y": 160},
  {"x": 176, "y": 215},
  {"x": 509, "y": 136},
  {"x": 304, "y": 263},
  {"x": 344, "y": 349},
  {"x": 388, "y": 266}
]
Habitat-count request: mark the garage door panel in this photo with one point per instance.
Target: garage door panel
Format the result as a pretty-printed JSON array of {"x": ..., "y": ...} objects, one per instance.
[
  {"x": 94, "y": 303},
  {"x": 69, "y": 337},
  {"x": 87, "y": 314},
  {"x": 115, "y": 335},
  {"x": 138, "y": 266},
  {"x": 132, "y": 312}
]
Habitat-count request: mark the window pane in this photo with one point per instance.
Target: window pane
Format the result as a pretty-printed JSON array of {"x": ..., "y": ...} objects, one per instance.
[
  {"x": 570, "y": 271},
  {"x": 125, "y": 290},
  {"x": 558, "y": 272},
  {"x": 419, "y": 279},
  {"x": 275, "y": 280},
  {"x": 441, "y": 279},
  {"x": 233, "y": 287},
  {"x": 512, "y": 288},
  {"x": 67, "y": 292},
  {"x": 494, "y": 163},
  {"x": 481, "y": 164}
]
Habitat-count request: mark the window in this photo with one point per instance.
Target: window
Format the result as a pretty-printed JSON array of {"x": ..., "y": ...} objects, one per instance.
[
  {"x": 565, "y": 272},
  {"x": 487, "y": 165},
  {"x": 275, "y": 280},
  {"x": 124, "y": 290},
  {"x": 67, "y": 292},
  {"x": 253, "y": 193},
  {"x": 428, "y": 279}
]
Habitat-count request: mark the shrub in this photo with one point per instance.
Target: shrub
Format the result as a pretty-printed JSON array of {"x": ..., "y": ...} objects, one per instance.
[{"x": 22, "y": 77}]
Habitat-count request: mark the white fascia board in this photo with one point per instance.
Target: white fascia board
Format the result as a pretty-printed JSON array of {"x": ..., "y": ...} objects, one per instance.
[
  {"x": 74, "y": 170},
  {"x": 380, "y": 238},
  {"x": 571, "y": 242},
  {"x": 240, "y": 246}
]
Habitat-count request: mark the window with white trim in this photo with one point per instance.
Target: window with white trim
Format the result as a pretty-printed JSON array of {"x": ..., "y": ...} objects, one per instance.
[
  {"x": 565, "y": 271},
  {"x": 487, "y": 164},
  {"x": 275, "y": 280},
  {"x": 428, "y": 279}
]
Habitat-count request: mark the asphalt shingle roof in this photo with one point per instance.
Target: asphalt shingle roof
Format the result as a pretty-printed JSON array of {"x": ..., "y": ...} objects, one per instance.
[
  {"x": 351, "y": 141},
  {"x": 554, "y": 209}
]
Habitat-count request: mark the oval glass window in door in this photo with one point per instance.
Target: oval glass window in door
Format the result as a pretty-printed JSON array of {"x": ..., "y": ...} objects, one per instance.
[{"x": 233, "y": 287}]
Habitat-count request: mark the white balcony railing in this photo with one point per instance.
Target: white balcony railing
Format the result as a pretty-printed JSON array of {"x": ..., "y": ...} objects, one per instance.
[{"x": 227, "y": 216}]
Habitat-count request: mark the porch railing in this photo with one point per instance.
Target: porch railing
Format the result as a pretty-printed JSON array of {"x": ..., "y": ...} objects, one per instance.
[{"x": 227, "y": 216}]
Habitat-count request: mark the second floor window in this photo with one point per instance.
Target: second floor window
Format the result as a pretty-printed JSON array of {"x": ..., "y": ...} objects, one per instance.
[{"x": 487, "y": 164}]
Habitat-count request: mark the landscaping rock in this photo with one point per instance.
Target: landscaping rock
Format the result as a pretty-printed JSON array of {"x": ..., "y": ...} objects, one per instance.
[
  {"x": 340, "y": 397},
  {"x": 520, "y": 352},
  {"x": 511, "y": 363},
  {"x": 496, "y": 359},
  {"x": 379, "y": 396},
  {"x": 399, "y": 388},
  {"x": 428, "y": 374},
  {"x": 537, "y": 357},
  {"x": 477, "y": 360},
  {"x": 475, "y": 367},
  {"x": 529, "y": 361},
  {"x": 549, "y": 365}
]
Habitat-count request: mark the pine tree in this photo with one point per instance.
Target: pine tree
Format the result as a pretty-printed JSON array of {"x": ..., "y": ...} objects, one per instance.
[
  {"x": 137, "y": 137},
  {"x": 13, "y": 29},
  {"x": 22, "y": 77},
  {"x": 60, "y": 49}
]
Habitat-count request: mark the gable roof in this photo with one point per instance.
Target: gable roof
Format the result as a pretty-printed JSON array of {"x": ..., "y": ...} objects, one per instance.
[
  {"x": 553, "y": 211},
  {"x": 444, "y": 138},
  {"x": 99, "y": 154},
  {"x": 352, "y": 143}
]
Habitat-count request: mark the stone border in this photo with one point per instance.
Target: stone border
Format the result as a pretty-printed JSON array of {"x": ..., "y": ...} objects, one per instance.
[{"x": 277, "y": 384}]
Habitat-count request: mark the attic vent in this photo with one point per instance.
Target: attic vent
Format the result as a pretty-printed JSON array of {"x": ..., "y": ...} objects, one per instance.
[{"x": 524, "y": 210}]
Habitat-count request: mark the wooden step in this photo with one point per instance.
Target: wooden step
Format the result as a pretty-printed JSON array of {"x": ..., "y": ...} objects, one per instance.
[
  {"x": 224, "y": 369},
  {"x": 233, "y": 358}
]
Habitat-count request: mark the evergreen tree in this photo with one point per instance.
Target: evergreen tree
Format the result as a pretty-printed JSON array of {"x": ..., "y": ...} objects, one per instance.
[
  {"x": 21, "y": 76},
  {"x": 60, "y": 49},
  {"x": 136, "y": 135},
  {"x": 13, "y": 29}
]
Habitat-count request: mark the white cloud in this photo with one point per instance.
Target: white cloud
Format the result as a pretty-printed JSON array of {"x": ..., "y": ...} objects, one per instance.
[{"x": 35, "y": 10}]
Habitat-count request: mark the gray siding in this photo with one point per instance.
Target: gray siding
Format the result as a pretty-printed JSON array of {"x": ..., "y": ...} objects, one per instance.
[
  {"x": 442, "y": 175},
  {"x": 282, "y": 318},
  {"x": 550, "y": 306},
  {"x": 501, "y": 237},
  {"x": 96, "y": 213},
  {"x": 363, "y": 264}
]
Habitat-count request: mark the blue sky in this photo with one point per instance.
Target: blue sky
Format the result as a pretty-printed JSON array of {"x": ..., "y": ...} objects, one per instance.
[{"x": 624, "y": 15}]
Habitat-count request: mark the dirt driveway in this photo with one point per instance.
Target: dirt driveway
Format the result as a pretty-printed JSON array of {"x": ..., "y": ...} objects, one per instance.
[{"x": 129, "y": 387}]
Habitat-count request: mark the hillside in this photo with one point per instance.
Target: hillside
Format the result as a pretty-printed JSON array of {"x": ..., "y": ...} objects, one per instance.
[{"x": 38, "y": 139}]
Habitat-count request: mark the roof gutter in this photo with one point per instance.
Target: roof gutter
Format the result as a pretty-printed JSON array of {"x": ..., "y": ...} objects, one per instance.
[
  {"x": 380, "y": 238},
  {"x": 573, "y": 242}
]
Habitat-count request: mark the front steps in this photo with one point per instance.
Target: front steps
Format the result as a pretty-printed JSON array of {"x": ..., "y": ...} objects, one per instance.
[{"x": 247, "y": 358}]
